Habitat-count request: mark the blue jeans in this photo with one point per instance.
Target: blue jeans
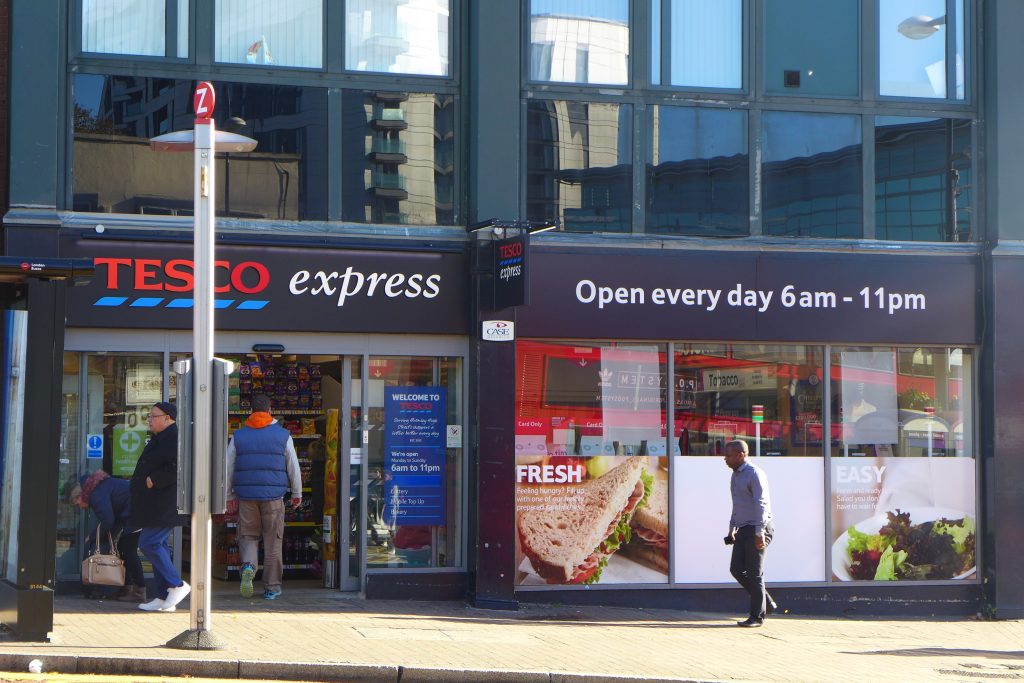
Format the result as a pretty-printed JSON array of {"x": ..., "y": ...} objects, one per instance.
[{"x": 153, "y": 544}]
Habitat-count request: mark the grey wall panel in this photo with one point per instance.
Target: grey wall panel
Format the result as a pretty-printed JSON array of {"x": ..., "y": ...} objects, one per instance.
[
  {"x": 1004, "y": 102},
  {"x": 37, "y": 86}
]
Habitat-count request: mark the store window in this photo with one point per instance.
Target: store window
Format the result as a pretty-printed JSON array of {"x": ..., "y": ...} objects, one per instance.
[
  {"x": 591, "y": 465},
  {"x": 398, "y": 36},
  {"x": 269, "y": 33},
  {"x": 698, "y": 179},
  {"x": 114, "y": 170},
  {"x": 720, "y": 392},
  {"x": 923, "y": 179},
  {"x": 903, "y": 472},
  {"x": 812, "y": 175},
  {"x": 889, "y": 399},
  {"x": 812, "y": 48},
  {"x": 913, "y": 59},
  {"x": 717, "y": 387},
  {"x": 399, "y": 158},
  {"x": 135, "y": 27},
  {"x": 579, "y": 165},
  {"x": 579, "y": 41},
  {"x": 704, "y": 43},
  {"x": 121, "y": 390},
  {"x": 103, "y": 427}
]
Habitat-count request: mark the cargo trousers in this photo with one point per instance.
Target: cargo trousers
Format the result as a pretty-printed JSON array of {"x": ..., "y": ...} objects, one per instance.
[{"x": 262, "y": 518}]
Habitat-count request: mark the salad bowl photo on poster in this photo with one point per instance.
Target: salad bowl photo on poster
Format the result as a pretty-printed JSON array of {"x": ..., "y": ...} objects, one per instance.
[
  {"x": 918, "y": 543},
  {"x": 903, "y": 519}
]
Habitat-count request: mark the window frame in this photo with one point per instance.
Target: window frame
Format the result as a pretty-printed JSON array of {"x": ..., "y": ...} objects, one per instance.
[
  {"x": 172, "y": 33},
  {"x": 324, "y": 30},
  {"x": 456, "y": 26},
  {"x": 747, "y": 59},
  {"x": 970, "y": 77},
  {"x": 632, "y": 59}
]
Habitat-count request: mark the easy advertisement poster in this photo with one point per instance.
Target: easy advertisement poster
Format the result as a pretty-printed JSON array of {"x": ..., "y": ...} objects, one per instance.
[{"x": 903, "y": 519}]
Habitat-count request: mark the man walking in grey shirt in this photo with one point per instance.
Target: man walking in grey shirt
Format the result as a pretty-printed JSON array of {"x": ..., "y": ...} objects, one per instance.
[{"x": 750, "y": 530}]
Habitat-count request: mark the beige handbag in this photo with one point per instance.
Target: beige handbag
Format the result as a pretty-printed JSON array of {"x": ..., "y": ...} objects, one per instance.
[{"x": 100, "y": 569}]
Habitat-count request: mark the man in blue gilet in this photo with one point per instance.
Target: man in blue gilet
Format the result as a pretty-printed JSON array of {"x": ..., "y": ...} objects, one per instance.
[{"x": 262, "y": 467}]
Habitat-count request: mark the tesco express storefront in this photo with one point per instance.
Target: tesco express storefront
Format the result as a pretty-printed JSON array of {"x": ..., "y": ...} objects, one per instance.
[{"x": 334, "y": 336}]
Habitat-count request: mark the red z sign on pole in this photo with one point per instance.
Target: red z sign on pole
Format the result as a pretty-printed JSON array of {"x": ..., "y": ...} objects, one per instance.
[{"x": 203, "y": 101}]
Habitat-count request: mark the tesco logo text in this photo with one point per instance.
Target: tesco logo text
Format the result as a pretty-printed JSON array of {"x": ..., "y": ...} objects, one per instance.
[
  {"x": 510, "y": 250},
  {"x": 178, "y": 275}
]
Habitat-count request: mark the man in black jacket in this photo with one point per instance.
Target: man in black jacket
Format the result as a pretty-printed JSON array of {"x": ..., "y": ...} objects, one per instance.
[{"x": 154, "y": 487}]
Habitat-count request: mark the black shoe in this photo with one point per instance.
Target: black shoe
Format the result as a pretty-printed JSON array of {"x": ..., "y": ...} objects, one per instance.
[{"x": 751, "y": 623}]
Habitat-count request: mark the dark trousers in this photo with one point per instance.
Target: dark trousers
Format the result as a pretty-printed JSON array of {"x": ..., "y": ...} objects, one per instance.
[
  {"x": 128, "y": 546},
  {"x": 747, "y": 567}
]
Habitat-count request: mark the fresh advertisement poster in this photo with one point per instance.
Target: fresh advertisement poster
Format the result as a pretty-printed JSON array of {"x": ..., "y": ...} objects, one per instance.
[
  {"x": 591, "y": 520},
  {"x": 703, "y": 506},
  {"x": 903, "y": 519}
]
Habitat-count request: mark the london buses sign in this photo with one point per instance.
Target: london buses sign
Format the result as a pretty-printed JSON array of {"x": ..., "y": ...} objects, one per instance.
[{"x": 262, "y": 288}]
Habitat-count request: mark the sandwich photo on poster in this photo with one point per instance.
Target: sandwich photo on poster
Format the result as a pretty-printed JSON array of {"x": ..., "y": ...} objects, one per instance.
[{"x": 586, "y": 521}]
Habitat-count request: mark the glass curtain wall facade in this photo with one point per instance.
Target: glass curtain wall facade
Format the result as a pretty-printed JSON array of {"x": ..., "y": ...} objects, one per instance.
[
  {"x": 773, "y": 101},
  {"x": 384, "y": 152}
]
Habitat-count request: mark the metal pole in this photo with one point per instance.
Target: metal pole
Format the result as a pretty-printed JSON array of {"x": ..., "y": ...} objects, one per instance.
[{"x": 202, "y": 364}]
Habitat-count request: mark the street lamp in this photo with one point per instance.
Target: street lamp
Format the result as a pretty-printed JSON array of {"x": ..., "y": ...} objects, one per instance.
[
  {"x": 205, "y": 140},
  {"x": 501, "y": 227},
  {"x": 919, "y": 27}
]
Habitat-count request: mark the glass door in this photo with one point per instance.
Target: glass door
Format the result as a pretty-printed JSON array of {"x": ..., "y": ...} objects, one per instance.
[
  {"x": 412, "y": 447},
  {"x": 104, "y": 403}
]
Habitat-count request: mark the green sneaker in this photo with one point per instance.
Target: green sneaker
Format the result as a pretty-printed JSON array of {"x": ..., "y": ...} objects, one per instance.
[{"x": 248, "y": 574}]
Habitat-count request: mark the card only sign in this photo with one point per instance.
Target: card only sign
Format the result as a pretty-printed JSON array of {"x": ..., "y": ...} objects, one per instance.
[
  {"x": 511, "y": 284},
  {"x": 414, "y": 455}
]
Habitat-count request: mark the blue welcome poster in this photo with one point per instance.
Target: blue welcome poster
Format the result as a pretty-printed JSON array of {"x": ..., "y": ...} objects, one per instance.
[{"x": 414, "y": 455}]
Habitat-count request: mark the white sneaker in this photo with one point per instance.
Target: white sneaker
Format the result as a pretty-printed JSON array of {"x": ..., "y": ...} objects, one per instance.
[
  {"x": 152, "y": 605},
  {"x": 168, "y": 608},
  {"x": 176, "y": 595}
]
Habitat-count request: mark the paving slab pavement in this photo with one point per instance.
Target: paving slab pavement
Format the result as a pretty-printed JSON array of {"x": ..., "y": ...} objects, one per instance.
[{"x": 320, "y": 635}]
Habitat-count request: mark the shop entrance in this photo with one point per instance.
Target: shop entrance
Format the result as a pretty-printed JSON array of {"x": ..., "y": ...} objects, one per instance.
[{"x": 341, "y": 410}]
